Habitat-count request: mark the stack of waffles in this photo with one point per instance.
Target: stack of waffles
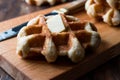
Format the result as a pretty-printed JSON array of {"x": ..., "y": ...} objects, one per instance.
[{"x": 108, "y": 10}]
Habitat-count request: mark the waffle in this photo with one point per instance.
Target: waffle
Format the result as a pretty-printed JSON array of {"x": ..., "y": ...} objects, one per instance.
[
  {"x": 36, "y": 39},
  {"x": 40, "y": 2},
  {"x": 107, "y": 10}
]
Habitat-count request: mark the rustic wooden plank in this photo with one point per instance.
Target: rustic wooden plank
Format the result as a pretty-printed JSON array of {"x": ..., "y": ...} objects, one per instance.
[
  {"x": 4, "y": 75},
  {"x": 86, "y": 66},
  {"x": 40, "y": 69},
  {"x": 107, "y": 71}
]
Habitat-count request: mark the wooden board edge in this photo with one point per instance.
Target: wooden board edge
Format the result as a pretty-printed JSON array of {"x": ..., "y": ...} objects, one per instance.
[
  {"x": 79, "y": 70},
  {"x": 11, "y": 70}
]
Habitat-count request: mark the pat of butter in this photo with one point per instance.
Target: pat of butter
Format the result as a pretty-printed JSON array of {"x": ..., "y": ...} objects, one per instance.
[{"x": 56, "y": 24}]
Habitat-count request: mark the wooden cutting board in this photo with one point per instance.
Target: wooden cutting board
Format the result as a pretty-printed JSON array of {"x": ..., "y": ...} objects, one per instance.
[{"x": 39, "y": 69}]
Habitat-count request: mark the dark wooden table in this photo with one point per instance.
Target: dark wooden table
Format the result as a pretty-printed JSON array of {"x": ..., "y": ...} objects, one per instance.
[{"x": 13, "y": 8}]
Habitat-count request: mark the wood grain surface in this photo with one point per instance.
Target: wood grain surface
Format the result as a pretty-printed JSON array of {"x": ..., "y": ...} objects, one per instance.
[
  {"x": 109, "y": 49},
  {"x": 13, "y": 8},
  {"x": 4, "y": 75}
]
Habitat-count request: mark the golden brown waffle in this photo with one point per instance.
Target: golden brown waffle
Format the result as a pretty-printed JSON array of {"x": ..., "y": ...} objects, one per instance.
[
  {"x": 40, "y": 2},
  {"x": 108, "y": 10},
  {"x": 36, "y": 39}
]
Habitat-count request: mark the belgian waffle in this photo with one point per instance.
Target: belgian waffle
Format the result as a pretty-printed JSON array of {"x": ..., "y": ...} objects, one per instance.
[
  {"x": 108, "y": 10},
  {"x": 40, "y": 2},
  {"x": 36, "y": 39}
]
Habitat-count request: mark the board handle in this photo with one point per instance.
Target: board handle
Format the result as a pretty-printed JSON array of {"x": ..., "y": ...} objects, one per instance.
[
  {"x": 72, "y": 7},
  {"x": 75, "y": 5}
]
